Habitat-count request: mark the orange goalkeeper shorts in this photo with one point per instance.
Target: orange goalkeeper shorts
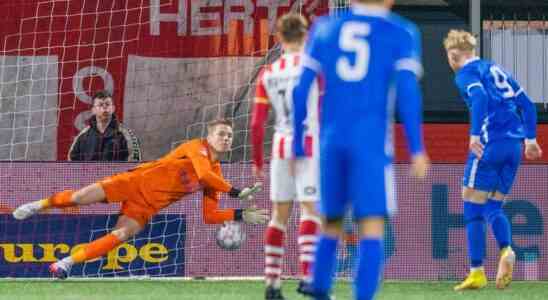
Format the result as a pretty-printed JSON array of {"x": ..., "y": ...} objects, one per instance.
[{"x": 122, "y": 188}]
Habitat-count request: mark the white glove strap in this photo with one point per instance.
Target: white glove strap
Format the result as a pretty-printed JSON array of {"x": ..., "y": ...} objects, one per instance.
[{"x": 530, "y": 141}]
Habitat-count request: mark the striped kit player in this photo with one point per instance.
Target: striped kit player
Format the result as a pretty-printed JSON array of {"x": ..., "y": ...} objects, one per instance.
[{"x": 289, "y": 180}]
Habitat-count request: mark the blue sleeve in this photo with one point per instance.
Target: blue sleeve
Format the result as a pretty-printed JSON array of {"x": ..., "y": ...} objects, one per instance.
[
  {"x": 409, "y": 98},
  {"x": 311, "y": 66},
  {"x": 409, "y": 104},
  {"x": 529, "y": 114},
  {"x": 471, "y": 88},
  {"x": 410, "y": 51},
  {"x": 300, "y": 96},
  {"x": 479, "y": 101},
  {"x": 313, "y": 51}
]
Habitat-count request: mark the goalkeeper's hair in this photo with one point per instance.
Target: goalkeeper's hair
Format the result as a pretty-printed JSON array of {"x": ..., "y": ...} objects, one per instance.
[
  {"x": 460, "y": 40},
  {"x": 212, "y": 124},
  {"x": 292, "y": 28}
]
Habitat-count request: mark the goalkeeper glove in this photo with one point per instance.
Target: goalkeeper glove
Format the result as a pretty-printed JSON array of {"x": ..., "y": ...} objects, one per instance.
[
  {"x": 254, "y": 215},
  {"x": 247, "y": 193}
]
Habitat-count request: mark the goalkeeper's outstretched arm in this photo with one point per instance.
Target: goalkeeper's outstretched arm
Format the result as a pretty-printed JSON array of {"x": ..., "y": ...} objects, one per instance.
[{"x": 212, "y": 214}]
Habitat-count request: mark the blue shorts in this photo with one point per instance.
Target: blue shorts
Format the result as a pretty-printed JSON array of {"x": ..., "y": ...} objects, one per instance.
[
  {"x": 497, "y": 168},
  {"x": 357, "y": 180}
]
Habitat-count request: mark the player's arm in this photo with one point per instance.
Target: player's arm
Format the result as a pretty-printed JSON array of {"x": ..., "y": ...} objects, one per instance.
[
  {"x": 470, "y": 86},
  {"x": 205, "y": 173},
  {"x": 300, "y": 96},
  {"x": 529, "y": 116},
  {"x": 259, "y": 117},
  {"x": 310, "y": 68},
  {"x": 528, "y": 112},
  {"x": 211, "y": 177},
  {"x": 409, "y": 98},
  {"x": 211, "y": 212}
]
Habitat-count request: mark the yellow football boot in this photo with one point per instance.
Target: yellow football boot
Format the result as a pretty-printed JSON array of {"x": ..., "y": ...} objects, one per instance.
[
  {"x": 506, "y": 267},
  {"x": 475, "y": 280}
]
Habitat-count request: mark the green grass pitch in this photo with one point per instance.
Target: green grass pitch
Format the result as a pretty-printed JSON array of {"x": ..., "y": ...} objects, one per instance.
[{"x": 243, "y": 290}]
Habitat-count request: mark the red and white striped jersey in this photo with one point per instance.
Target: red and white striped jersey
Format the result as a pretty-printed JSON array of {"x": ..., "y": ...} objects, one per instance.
[{"x": 275, "y": 88}]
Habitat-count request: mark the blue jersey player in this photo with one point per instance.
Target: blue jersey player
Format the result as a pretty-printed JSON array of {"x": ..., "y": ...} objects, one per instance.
[
  {"x": 369, "y": 60},
  {"x": 502, "y": 116}
]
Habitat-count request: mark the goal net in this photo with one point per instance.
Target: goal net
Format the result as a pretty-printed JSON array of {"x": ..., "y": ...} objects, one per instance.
[{"x": 172, "y": 66}]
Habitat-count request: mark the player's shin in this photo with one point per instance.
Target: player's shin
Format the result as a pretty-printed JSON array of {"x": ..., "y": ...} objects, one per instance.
[
  {"x": 96, "y": 248},
  {"x": 274, "y": 251},
  {"x": 323, "y": 273},
  {"x": 308, "y": 236},
  {"x": 475, "y": 233},
  {"x": 499, "y": 223},
  {"x": 59, "y": 200},
  {"x": 369, "y": 268}
]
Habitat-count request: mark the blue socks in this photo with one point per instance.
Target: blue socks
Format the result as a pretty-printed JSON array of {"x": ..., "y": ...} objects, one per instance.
[
  {"x": 499, "y": 222},
  {"x": 369, "y": 268},
  {"x": 475, "y": 232},
  {"x": 325, "y": 265}
]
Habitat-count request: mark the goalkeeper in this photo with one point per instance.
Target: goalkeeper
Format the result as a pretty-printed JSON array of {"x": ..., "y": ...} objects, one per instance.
[{"x": 152, "y": 186}]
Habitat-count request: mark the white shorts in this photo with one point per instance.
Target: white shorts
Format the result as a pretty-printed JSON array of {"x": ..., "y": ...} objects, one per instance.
[{"x": 302, "y": 187}]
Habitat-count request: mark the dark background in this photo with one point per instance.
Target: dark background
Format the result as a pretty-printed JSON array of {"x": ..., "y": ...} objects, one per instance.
[{"x": 435, "y": 18}]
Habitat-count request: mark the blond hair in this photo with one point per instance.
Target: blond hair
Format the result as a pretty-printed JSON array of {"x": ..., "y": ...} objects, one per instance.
[
  {"x": 292, "y": 28},
  {"x": 461, "y": 40}
]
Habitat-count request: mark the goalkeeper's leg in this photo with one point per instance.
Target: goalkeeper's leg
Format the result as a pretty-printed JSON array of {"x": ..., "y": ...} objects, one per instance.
[
  {"x": 126, "y": 227},
  {"x": 274, "y": 248},
  {"x": 90, "y": 194}
]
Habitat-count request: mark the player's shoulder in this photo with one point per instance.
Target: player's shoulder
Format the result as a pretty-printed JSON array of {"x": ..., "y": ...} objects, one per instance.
[
  {"x": 324, "y": 27},
  {"x": 194, "y": 145},
  {"x": 476, "y": 68},
  {"x": 481, "y": 65},
  {"x": 403, "y": 26},
  {"x": 471, "y": 73}
]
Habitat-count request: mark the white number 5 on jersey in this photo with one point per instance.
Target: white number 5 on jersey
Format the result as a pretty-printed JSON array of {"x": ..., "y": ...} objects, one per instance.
[{"x": 352, "y": 39}]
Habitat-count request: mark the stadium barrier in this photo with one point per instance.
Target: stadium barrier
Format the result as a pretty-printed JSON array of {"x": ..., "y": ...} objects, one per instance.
[{"x": 424, "y": 241}]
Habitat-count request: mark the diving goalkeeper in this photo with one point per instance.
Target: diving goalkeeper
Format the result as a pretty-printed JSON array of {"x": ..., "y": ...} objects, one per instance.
[{"x": 152, "y": 186}]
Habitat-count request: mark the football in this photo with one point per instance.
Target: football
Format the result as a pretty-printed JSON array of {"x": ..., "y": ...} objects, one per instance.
[{"x": 230, "y": 236}]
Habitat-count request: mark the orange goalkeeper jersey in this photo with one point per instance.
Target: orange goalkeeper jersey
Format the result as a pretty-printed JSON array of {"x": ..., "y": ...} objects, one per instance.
[{"x": 185, "y": 170}]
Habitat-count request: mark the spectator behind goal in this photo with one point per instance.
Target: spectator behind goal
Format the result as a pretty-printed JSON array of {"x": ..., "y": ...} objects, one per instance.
[{"x": 105, "y": 138}]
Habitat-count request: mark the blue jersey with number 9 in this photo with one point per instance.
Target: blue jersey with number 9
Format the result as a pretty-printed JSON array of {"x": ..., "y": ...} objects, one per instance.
[{"x": 503, "y": 118}]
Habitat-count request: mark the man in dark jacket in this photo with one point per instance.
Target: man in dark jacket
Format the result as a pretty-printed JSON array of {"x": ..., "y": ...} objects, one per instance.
[{"x": 105, "y": 138}]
